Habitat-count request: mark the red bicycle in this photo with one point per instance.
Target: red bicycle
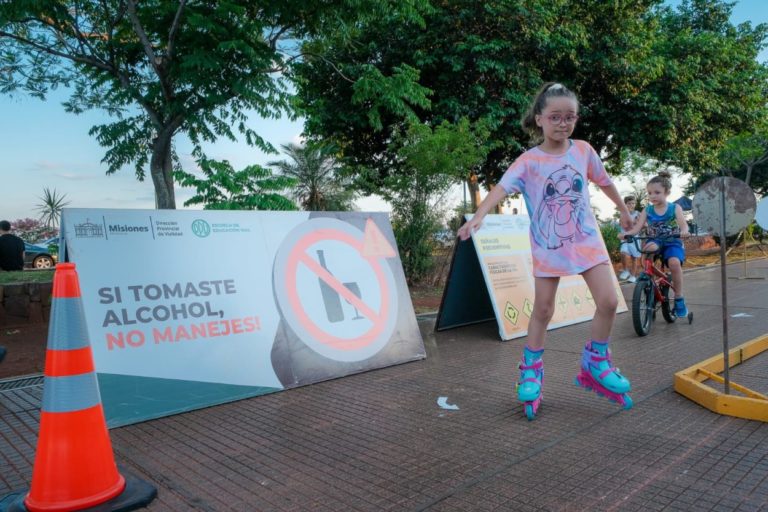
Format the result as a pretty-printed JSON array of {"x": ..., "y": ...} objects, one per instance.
[{"x": 652, "y": 289}]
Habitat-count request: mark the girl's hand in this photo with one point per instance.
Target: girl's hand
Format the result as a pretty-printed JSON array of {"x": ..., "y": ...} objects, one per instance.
[
  {"x": 626, "y": 221},
  {"x": 470, "y": 226}
]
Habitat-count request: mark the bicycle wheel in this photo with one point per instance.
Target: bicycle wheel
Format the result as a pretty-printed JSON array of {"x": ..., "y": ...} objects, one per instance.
[
  {"x": 667, "y": 305},
  {"x": 642, "y": 306}
]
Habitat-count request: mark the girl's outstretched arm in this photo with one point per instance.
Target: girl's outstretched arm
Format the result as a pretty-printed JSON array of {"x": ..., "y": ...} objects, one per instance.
[
  {"x": 613, "y": 195},
  {"x": 492, "y": 199}
]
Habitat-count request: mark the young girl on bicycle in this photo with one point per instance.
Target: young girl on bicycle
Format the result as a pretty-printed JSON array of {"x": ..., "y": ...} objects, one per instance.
[
  {"x": 565, "y": 238},
  {"x": 665, "y": 222}
]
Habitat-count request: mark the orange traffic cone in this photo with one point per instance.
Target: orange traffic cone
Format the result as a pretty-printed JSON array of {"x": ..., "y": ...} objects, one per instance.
[{"x": 74, "y": 464}]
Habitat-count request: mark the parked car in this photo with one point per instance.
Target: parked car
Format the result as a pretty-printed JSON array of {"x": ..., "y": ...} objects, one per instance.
[{"x": 36, "y": 256}]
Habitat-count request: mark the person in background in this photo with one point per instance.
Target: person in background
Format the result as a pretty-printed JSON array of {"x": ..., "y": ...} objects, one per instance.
[
  {"x": 664, "y": 221},
  {"x": 11, "y": 248},
  {"x": 11, "y": 257},
  {"x": 630, "y": 255}
]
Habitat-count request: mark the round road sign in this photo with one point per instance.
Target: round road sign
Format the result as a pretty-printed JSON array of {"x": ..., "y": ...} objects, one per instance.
[{"x": 739, "y": 205}]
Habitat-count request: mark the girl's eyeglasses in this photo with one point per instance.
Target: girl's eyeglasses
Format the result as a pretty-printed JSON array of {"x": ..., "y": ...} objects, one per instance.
[{"x": 558, "y": 118}]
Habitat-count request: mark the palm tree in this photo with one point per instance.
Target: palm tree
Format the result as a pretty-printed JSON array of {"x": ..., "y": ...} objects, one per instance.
[
  {"x": 319, "y": 186},
  {"x": 50, "y": 208}
]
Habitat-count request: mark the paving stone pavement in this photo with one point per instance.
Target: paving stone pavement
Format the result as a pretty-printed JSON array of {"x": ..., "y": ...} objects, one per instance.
[{"x": 378, "y": 440}]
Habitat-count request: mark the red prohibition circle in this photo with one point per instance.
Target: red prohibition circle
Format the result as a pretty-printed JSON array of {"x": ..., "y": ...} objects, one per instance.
[{"x": 299, "y": 255}]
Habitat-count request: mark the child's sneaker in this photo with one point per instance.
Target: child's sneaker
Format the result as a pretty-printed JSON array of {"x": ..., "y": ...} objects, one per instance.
[
  {"x": 681, "y": 311},
  {"x": 632, "y": 279},
  {"x": 624, "y": 275}
]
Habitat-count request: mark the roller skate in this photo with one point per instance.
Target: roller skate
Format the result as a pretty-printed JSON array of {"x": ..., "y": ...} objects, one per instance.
[
  {"x": 598, "y": 374},
  {"x": 531, "y": 380}
]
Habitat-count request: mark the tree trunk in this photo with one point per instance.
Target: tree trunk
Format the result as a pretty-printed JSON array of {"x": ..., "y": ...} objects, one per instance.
[
  {"x": 749, "y": 174},
  {"x": 474, "y": 191},
  {"x": 161, "y": 169}
]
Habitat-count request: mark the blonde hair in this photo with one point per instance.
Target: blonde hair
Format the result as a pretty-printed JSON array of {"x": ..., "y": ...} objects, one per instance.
[
  {"x": 548, "y": 90},
  {"x": 664, "y": 178}
]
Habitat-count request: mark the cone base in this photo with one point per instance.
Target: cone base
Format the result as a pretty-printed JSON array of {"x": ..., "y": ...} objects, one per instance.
[{"x": 137, "y": 494}]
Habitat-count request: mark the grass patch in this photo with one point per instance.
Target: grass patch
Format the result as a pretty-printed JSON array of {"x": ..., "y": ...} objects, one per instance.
[{"x": 26, "y": 276}]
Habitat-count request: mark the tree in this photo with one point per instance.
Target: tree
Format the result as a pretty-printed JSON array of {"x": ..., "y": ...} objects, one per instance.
[
  {"x": 434, "y": 161},
  {"x": 162, "y": 68},
  {"x": 746, "y": 151},
  {"x": 672, "y": 84},
  {"x": 50, "y": 208},
  {"x": 223, "y": 188},
  {"x": 318, "y": 184},
  {"x": 745, "y": 157},
  {"x": 712, "y": 86}
]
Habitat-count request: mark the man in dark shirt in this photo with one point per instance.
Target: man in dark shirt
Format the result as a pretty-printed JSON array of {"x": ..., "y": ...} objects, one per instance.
[{"x": 11, "y": 248}]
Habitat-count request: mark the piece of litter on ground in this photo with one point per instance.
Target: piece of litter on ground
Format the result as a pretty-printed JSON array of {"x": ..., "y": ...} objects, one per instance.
[
  {"x": 15, "y": 331},
  {"x": 741, "y": 315},
  {"x": 443, "y": 403}
]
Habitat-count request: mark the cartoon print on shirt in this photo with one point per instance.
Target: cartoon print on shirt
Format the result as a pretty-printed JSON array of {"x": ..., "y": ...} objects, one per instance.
[{"x": 561, "y": 214}]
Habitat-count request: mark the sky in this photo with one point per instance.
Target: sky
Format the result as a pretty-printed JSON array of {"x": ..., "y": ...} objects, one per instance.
[{"x": 43, "y": 146}]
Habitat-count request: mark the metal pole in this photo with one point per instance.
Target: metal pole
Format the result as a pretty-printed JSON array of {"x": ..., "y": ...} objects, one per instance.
[{"x": 723, "y": 286}]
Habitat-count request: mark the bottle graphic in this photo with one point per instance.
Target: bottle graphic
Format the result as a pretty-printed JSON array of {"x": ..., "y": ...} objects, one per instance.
[{"x": 331, "y": 299}]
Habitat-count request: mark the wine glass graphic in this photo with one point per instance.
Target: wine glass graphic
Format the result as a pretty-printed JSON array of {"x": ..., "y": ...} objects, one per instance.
[{"x": 354, "y": 288}]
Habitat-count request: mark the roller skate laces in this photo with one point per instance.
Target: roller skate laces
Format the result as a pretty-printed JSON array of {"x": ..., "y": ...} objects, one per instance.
[
  {"x": 529, "y": 386},
  {"x": 598, "y": 374}
]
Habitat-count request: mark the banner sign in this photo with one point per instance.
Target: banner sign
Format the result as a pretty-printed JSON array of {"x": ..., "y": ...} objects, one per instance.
[
  {"x": 500, "y": 252},
  {"x": 187, "y": 309}
]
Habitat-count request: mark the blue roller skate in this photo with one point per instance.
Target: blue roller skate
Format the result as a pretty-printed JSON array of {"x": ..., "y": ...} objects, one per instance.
[
  {"x": 531, "y": 380},
  {"x": 598, "y": 374}
]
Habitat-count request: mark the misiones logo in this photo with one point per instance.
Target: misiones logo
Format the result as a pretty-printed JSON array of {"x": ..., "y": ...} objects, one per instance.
[
  {"x": 89, "y": 230},
  {"x": 123, "y": 229},
  {"x": 201, "y": 228}
]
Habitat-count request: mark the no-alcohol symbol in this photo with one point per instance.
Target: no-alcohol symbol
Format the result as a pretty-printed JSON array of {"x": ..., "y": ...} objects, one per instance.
[{"x": 335, "y": 288}]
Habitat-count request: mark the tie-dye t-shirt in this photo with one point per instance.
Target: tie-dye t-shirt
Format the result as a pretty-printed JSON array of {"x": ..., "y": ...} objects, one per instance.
[{"x": 565, "y": 239}]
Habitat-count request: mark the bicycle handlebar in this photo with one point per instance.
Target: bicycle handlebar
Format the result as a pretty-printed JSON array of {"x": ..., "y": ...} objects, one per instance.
[{"x": 632, "y": 238}]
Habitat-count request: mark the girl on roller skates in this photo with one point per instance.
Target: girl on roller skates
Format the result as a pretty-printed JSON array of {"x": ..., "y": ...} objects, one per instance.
[{"x": 565, "y": 239}]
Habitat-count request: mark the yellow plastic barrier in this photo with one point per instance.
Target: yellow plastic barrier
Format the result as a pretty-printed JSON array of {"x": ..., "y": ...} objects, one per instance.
[{"x": 751, "y": 406}]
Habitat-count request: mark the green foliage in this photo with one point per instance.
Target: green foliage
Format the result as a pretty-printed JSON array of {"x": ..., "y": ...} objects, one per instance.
[
  {"x": 223, "y": 188},
  {"x": 610, "y": 232},
  {"x": 163, "y": 68},
  {"x": 711, "y": 87},
  {"x": 747, "y": 151},
  {"x": 412, "y": 228},
  {"x": 50, "y": 207},
  {"x": 671, "y": 84},
  {"x": 432, "y": 160},
  {"x": 318, "y": 184}
]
